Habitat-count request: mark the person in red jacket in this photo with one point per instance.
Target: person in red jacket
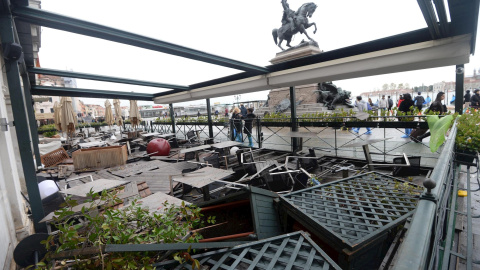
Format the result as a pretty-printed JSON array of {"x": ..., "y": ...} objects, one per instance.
[{"x": 400, "y": 101}]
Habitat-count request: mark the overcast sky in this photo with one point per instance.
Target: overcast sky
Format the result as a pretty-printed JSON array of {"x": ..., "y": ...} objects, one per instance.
[{"x": 240, "y": 30}]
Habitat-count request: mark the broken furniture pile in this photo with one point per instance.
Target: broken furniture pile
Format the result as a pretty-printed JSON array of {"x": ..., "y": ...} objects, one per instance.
[{"x": 271, "y": 208}]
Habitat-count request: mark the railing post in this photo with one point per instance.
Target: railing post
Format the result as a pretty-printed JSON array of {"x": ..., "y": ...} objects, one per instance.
[
  {"x": 293, "y": 117},
  {"x": 459, "y": 82},
  {"x": 232, "y": 128},
  {"x": 210, "y": 123},
  {"x": 259, "y": 133},
  {"x": 172, "y": 117}
]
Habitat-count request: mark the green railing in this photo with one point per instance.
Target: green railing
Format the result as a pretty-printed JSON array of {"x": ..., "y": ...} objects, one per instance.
[{"x": 429, "y": 228}]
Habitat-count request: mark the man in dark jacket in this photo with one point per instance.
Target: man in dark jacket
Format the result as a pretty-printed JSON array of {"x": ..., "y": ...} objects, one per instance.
[
  {"x": 243, "y": 110},
  {"x": 249, "y": 125},
  {"x": 466, "y": 99},
  {"x": 390, "y": 103},
  {"x": 475, "y": 100},
  {"x": 405, "y": 107},
  {"x": 419, "y": 100}
]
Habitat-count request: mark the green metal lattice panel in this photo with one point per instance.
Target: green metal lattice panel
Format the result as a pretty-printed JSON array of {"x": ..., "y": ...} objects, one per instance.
[
  {"x": 288, "y": 251},
  {"x": 351, "y": 211}
]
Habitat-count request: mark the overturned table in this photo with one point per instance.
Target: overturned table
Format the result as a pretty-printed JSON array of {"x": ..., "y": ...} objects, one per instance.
[
  {"x": 366, "y": 150},
  {"x": 201, "y": 179}
]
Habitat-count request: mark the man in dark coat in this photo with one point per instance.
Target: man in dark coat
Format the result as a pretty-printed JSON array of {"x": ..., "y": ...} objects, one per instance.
[
  {"x": 475, "y": 100},
  {"x": 419, "y": 100},
  {"x": 249, "y": 125},
  {"x": 243, "y": 110},
  {"x": 405, "y": 107}
]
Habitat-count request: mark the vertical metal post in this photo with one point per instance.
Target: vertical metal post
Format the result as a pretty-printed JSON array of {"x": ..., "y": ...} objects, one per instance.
[
  {"x": 232, "y": 128},
  {"x": 210, "y": 123},
  {"x": 336, "y": 148},
  {"x": 259, "y": 133},
  {"x": 31, "y": 118},
  {"x": 172, "y": 117},
  {"x": 293, "y": 117},
  {"x": 459, "y": 82},
  {"x": 21, "y": 126},
  {"x": 384, "y": 142}
]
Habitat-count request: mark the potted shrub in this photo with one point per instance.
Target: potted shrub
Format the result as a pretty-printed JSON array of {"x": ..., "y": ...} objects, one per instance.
[{"x": 467, "y": 142}]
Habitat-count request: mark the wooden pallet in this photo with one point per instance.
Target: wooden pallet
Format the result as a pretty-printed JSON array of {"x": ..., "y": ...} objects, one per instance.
[{"x": 55, "y": 157}]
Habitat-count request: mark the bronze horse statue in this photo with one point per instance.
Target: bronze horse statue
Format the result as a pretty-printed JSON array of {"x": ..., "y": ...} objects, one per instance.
[{"x": 294, "y": 22}]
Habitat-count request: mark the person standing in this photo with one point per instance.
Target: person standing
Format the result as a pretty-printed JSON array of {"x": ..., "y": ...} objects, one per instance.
[
  {"x": 466, "y": 99},
  {"x": 249, "y": 125},
  {"x": 243, "y": 110},
  {"x": 362, "y": 107},
  {"x": 419, "y": 100},
  {"x": 475, "y": 100},
  {"x": 400, "y": 99},
  {"x": 237, "y": 125},
  {"x": 226, "y": 112},
  {"x": 382, "y": 103},
  {"x": 390, "y": 103},
  {"x": 436, "y": 106},
  {"x": 406, "y": 107},
  {"x": 198, "y": 113}
]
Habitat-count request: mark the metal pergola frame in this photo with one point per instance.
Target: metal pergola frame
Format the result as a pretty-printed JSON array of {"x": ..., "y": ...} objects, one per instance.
[{"x": 16, "y": 17}]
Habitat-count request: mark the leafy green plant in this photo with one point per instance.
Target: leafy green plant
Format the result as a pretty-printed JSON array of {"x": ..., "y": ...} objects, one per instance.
[
  {"x": 438, "y": 128},
  {"x": 468, "y": 131},
  {"x": 50, "y": 134},
  {"x": 101, "y": 222}
]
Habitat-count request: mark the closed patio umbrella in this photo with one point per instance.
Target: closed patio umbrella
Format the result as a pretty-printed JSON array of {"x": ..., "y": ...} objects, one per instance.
[
  {"x": 69, "y": 118},
  {"x": 108, "y": 113},
  {"x": 118, "y": 112},
  {"x": 57, "y": 115},
  {"x": 134, "y": 114}
]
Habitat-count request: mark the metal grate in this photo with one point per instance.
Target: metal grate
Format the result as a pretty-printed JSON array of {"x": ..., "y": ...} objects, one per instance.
[
  {"x": 357, "y": 208},
  {"x": 288, "y": 251}
]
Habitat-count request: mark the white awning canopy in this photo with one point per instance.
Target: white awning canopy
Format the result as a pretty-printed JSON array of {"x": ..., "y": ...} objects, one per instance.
[{"x": 436, "y": 53}]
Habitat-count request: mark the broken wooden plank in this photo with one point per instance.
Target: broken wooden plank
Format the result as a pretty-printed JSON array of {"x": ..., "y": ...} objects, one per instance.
[{"x": 95, "y": 186}]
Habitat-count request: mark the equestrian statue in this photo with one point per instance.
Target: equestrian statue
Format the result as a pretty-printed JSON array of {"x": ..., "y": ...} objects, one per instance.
[{"x": 294, "y": 22}]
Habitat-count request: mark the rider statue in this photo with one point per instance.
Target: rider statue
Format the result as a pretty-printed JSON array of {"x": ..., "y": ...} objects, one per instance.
[
  {"x": 288, "y": 17},
  {"x": 294, "y": 22}
]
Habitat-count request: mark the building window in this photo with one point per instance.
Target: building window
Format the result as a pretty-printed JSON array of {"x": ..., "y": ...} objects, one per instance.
[
  {"x": 41, "y": 110},
  {"x": 51, "y": 110}
]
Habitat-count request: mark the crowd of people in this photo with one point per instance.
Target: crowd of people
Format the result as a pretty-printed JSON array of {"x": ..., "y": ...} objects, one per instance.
[{"x": 407, "y": 104}]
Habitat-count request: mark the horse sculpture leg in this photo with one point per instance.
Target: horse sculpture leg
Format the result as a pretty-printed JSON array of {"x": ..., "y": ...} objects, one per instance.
[
  {"x": 310, "y": 24},
  {"x": 302, "y": 30},
  {"x": 280, "y": 44}
]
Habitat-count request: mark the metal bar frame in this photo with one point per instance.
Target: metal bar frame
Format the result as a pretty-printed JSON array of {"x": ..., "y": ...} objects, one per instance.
[
  {"x": 60, "y": 22},
  {"x": 86, "y": 76},
  {"x": 91, "y": 93},
  {"x": 21, "y": 126}
]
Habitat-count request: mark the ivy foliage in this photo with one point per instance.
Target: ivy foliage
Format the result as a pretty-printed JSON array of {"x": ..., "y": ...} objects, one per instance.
[{"x": 102, "y": 222}]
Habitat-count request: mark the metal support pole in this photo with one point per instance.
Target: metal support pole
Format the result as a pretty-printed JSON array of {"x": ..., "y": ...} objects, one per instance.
[
  {"x": 210, "y": 123},
  {"x": 459, "y": 83},
  {"x": 31, "y": 118},
  {"x": 232, "y": 130},
  {"x": 21, "y": 126},
  {"x": 172, "y": 117},
  {"x": 293, "y": 117},
  {"x": 259, "y": 133}
]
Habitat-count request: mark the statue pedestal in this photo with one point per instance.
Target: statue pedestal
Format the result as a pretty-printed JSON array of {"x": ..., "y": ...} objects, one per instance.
[
  {"x": 304, "y": 93},
  {"x": 295, "y": 53}
]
